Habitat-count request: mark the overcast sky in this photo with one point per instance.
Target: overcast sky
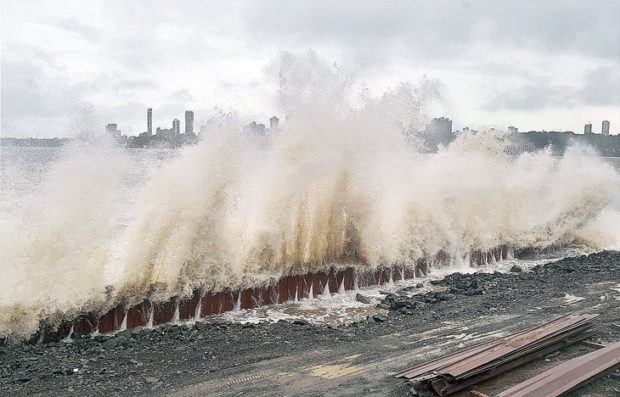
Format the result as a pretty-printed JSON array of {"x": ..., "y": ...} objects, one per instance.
[{"x": 536, "y": 65}]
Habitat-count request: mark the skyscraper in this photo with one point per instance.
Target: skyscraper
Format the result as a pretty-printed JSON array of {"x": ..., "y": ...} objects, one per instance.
[
  {"x": 605, "y": 128},
  {"x": 189, "y": 122},
  {"x": 176, "y": 128},
  {"x": 149, "y": 121},
  {"x": 587, "y": 129},
  {"x": 438, "y": 132},
  {"x": 111, "y": 128},
  {"x": 273, "y": 123}
]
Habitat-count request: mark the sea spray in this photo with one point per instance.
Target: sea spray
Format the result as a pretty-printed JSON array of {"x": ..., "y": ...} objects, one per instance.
[
  {"x": 337, "y": 185},
  {"x": 57, "y": 241}
]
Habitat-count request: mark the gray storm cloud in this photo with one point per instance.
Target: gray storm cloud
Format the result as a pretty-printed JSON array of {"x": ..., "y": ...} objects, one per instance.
[{"x": 492, "y": 57}]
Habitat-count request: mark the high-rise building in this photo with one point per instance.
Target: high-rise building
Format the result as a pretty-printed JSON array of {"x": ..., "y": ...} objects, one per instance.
[
  {"x": 176, "y": 127},
  {"x": 605, "y": 128},
  {"x": 189, "y": 122},
  {"x": 274, "y": 122},
  {"x": 149, "y": 121},
  {"x": 163, "y": 133},
  {"x": 111, "y": 128},
  {"x": 442, "y": 125},
  {"x": 254, "y": 128},
  {"x": 438, "y": 132},
  {"x": 587, "y": 129}
]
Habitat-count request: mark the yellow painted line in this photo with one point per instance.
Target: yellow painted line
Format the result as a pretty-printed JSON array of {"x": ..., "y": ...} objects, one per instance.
[{"x": 334, "y": 371}]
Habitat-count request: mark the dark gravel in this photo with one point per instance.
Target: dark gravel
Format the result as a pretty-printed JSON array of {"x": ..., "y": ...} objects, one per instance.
[{"x": 164, "y": 359}]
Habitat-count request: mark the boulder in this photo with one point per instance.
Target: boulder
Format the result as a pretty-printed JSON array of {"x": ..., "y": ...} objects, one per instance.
[{"x": 363, "y": 299}]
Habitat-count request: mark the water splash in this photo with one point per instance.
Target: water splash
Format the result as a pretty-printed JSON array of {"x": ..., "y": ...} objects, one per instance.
[{"x": 338, "y": 185}]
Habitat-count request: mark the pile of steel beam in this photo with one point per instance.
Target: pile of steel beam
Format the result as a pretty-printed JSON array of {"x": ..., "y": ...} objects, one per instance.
[
  {"x": 569, "y": 375},
  {"x": 465, "y": 368}
]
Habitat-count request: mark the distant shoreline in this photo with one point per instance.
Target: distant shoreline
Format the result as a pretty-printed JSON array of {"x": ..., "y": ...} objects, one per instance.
[
  {"x": 133, "y": 143},
  {"x": 34, "y": 142},
  {"x": 606, "y": 145}
]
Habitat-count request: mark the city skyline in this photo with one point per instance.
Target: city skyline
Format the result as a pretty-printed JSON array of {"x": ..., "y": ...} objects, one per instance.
[
  {"x": 440, "y": 129},
  {"x": 437, "y": 133},
  {"x": 545, "y": 66},
  {"x": 274, "y": 122}
]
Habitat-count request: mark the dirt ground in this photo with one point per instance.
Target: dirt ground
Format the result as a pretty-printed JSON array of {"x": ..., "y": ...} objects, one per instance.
[{"x": 285, "y": 359}]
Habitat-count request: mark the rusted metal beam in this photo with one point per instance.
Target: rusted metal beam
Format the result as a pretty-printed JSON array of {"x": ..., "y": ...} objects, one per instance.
[
  {"x": 448, "y": 388},
  {"x": 569, "y": 375},
  {"x": 594, "y": 345},
  {"x": 512, "y": 345},
  {"x": 203, "y": 303},
  {"x": 452, "y": 359},
  {"x": 432, "y": 365}
]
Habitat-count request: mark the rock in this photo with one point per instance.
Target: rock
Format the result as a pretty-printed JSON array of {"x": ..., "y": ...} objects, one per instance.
[
  {"x": 300, "y": 322},
  {"x": 419, "y": 285},
  {"x": 126, "y": 334},
  {"x": 443, "y": 296},
  {"x": 363, "y": 299},
  {"x": 111, "y": 343},
  {"x": 200, "y": 326},
  {"x": 413, "y": 392},
  {"x": 151, "y": 380},
  {"x": 379, "y": 318},
  {"x": 65, "y": 371},
  {"x": 516, "y": 269},
  {"x": 430, "y": 298},
  {"x": 101, "y": 338},
  {"x": 402, "y": 310},
  {"x": 397, "y": 301},
  {"x": 472, "y": 291}
]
